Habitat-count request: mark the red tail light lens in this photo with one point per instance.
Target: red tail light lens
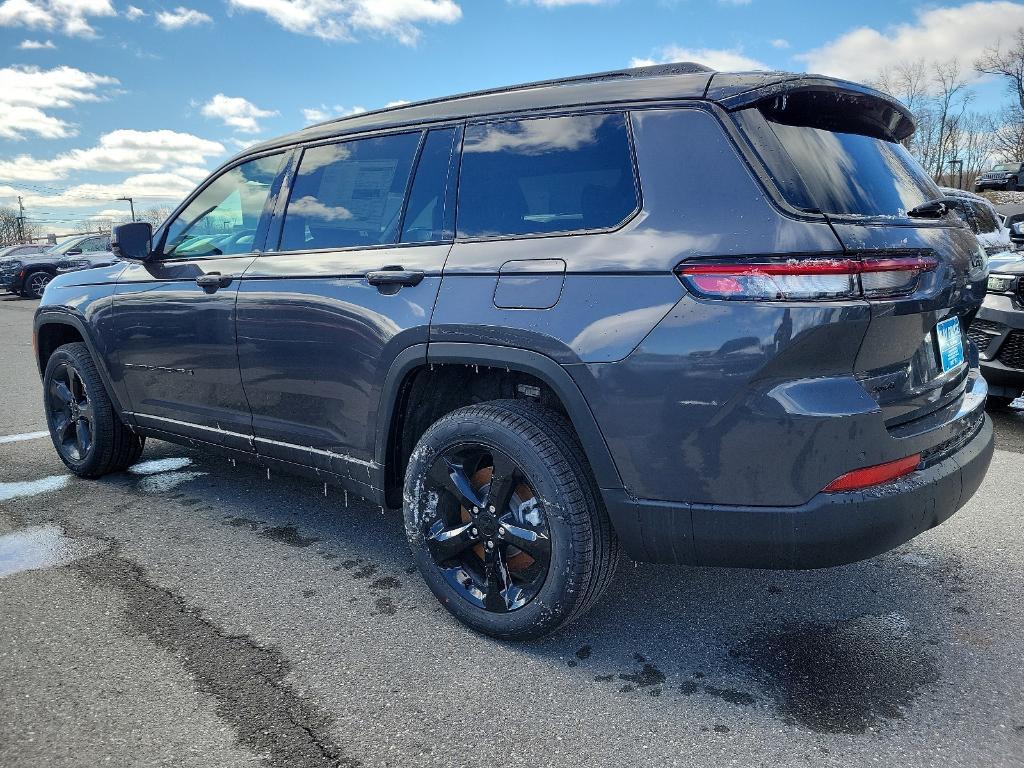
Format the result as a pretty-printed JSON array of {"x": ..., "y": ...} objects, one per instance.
[
  {"x": 876, "y": 475},
  {"x": 806, "y": 279}
]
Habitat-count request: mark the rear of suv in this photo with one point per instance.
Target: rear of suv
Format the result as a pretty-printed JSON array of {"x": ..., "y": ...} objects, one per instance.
[{"x": 704, "y": 318}]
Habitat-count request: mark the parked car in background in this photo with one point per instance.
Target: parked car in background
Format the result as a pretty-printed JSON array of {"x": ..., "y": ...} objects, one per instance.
[
  {"x": 982, "y": 218},
  {"x": 29, "y": 275},
  {"x": 998, "y": 330},
  {"x": 1008, "y": 176},
  {"x": 12, "y": 251},
  {"x": 700, "y": 317}
]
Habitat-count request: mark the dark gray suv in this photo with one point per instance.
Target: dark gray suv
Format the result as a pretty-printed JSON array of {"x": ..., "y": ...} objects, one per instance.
[{"x": 702, "y": 318}]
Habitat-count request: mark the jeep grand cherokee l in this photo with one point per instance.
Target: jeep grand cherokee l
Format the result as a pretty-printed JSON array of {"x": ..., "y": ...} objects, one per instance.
[{"x": 699, "y": 317}]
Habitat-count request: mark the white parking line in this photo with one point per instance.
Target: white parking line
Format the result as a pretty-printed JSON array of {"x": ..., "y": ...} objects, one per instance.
[
  {"x": 10, "y": 491},
  {"x": 25, "y": 436}
]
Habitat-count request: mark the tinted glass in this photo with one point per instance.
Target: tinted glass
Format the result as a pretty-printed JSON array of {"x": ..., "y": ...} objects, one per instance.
[
  {"x": 224, "y": 217},
  {"x": 349, "y": 194},
  {"x": 848, "y": 173},
  {"x": 561, "y": 174},
  {"x": 428, "y": 215},
  {"x": 987, "y": 221},
  {"x": 95, "y": 244}
]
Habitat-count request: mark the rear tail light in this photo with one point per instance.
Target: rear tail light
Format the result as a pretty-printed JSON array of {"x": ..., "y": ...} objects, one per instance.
[
  {"x": 806, "y": 279},
  {"x": 876, "y": 475}
]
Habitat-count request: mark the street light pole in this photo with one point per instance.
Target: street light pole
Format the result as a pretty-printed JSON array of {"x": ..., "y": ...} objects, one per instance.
[
  {"x": 957, "y": 165},
  {"x": 131, "y": 202}
]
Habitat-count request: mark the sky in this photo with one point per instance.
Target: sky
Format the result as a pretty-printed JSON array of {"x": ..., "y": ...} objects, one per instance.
[{"x": 101, "y": 99}]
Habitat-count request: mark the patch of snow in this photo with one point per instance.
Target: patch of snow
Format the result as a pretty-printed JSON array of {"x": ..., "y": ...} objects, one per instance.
[
  {"x": 10, "y": 491},
  {"x": 159, "y": 465}
]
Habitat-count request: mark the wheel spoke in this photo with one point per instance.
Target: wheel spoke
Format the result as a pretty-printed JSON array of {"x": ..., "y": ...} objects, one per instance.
[
  {"x": 452, "y": 477},
  {"x": 496, "y": 581},
  {"x": 59, "y": 391},
  {"x": 61, "y": 422},
  {"x": 82, "y": 438},
  {"x": 502, "y": 482},
  {"x": 450, "y": 542},
  {"x": 534, "y": 543}
]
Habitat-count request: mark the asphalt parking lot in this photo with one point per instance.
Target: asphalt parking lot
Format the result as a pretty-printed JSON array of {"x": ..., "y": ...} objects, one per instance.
[{"x": 194, "y": 613}]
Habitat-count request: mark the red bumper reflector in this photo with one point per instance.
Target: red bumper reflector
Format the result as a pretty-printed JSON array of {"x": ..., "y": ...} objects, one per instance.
[{"x": 876, "y": 475}]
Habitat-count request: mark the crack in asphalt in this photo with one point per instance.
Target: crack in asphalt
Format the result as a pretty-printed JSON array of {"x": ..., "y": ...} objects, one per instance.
[{"x": 247, "y": 681}]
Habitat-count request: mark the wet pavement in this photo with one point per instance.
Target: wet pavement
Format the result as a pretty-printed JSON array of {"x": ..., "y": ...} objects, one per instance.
[{"x": 190, "y": 612}]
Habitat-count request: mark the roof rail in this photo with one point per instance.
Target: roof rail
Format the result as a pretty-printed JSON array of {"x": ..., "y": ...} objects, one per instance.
[{"x": 653, "y": 70}]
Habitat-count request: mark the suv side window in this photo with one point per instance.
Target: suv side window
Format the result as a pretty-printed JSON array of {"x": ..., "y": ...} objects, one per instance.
[
  {"x": 546, "y": 175},
  {"x": 349, "y": 194},
  {"x": 94, "y": 245},
  {"x": 430, "y": 212},
  {"x": 224, "y": 218}
]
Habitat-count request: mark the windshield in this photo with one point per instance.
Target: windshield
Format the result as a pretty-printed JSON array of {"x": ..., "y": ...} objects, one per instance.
[
  {"x": 841, "y": 173},
  {"x": 62, "y": 248},
  {"x": 1007, "y": 167}
]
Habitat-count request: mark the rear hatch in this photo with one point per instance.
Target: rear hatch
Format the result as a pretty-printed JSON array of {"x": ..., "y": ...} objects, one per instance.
[{"x": 833, "y": 150}]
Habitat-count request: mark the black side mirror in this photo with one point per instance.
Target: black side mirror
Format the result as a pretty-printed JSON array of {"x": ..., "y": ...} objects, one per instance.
[
  {"x": 73, "y": 252},
  {"x": 133, "y": 241}
]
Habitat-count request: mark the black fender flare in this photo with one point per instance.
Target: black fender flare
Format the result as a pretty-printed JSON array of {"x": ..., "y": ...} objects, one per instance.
[
  {"x": 54, "y": 316},
  {"x": 513, "y": 358}
]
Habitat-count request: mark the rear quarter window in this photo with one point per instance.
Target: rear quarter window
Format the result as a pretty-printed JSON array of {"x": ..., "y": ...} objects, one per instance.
[{"x": 546, "y": 176}]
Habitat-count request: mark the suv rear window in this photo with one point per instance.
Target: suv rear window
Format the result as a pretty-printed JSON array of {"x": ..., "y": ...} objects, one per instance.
[
  {"x": 837, "y": 172},
  {"x": 546, "y": 175}
]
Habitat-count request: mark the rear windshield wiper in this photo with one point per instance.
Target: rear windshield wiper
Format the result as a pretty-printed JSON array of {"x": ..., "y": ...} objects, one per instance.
[{"x": 933, "y": 209}]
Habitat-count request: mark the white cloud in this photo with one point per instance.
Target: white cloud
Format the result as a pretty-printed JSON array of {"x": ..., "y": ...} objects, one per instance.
[
  {"x": 564, "y": 3},
  {"x": 28, "y": 92},
  {"x": 236, "y": 112},
  {"x": 133, "y": 13},
  {"x": 323, "y": 112},
  {"x": 342, "y": 19},
  {"x": 68, "y": 16},
  {"x": 36, "y": 45},
  {"x": 721, "y": 59},
  {"x": 120, "y": 150},
  {"x": 936, "y": 34},
  {"x": 397, "y": 103},
  {"x": 780, "y": 42},
  {"x": 181, "y": 17}
]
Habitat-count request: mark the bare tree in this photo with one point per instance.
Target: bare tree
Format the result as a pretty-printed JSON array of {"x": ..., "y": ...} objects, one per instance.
[
  {"x": 1008, "y": 64},
  {"x": 10, "y": 226}
]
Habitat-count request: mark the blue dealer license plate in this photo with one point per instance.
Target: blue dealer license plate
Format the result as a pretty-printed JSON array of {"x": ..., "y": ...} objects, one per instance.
[{"x": 951, "y": 346}]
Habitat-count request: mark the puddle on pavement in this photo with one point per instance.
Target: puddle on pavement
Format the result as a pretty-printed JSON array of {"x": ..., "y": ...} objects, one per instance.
[
  {"x": 845, "y": 677},
  {"x": 38, "y": 547},
  {"x": 160, "y": 483}
]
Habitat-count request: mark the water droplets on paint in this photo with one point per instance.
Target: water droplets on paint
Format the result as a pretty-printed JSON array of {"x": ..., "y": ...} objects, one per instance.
[{"x": 41, "y": 546}]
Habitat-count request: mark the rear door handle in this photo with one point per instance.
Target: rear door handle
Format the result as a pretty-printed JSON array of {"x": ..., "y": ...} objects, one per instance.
[
  {"x": 211, "y": 281},
  {"x": 394, "y": 276}
]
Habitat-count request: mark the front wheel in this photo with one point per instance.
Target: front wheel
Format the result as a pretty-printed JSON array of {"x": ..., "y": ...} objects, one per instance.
[
  {"x": 505, "y": 521},
  {"x": 89, "y": 436},
  {"x": 35, "y": 285}
]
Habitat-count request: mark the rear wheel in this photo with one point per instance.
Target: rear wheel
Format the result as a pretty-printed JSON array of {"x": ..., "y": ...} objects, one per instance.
[
  {"x": 35, "y": 284},
  {"x": 89, "y": 436},
  {"x": 505, "y": 521}
]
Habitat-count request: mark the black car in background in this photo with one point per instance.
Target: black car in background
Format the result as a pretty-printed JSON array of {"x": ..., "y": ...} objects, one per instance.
[
  {"x": 998, "y": 331},
  {"x": 29, "y": 274},
  {"x": 1008, "y": 176},
  {"x": 13, "y": 251}
]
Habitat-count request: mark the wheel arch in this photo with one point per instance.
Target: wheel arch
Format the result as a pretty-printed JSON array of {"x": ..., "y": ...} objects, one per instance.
[
  {"x": 533, "y": 364},
  {"x": 54, "y": 328}
]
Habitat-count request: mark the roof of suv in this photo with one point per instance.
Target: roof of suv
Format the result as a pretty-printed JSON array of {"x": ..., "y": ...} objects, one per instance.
[{"x": 661, "y": 82}]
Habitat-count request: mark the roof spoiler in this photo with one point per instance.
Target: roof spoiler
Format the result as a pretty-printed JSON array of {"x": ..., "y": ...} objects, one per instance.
[{"x": 817, "y": 102}]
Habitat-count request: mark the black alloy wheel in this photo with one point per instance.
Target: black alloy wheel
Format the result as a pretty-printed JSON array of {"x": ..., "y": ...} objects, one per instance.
[
  {"x": 85, "y": 427},
  {"x": 505, "y": 521},
  {"x": 35, "y": 284},
  {"x": 71, "y": 413},
  {"x": 490, "y": 538}
]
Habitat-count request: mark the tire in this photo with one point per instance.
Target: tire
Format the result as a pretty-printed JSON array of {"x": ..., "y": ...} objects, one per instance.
[
  {"x": 74, "y": 399},
  {"x": 554, "y": 499},
  {"x": 999, "y": 402},
  {"x": 35, "y": 283}
]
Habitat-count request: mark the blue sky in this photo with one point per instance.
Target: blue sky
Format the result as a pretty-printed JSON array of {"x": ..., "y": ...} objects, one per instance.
[{"x": 100, "y": 97}]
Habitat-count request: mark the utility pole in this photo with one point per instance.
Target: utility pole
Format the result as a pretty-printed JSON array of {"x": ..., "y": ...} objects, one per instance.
[
  {"x": 21, "y": 221},
  {"x": 131, "y": 202}
]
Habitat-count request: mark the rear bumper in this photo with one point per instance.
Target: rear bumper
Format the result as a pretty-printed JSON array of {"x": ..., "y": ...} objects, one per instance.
[{"x": 832, "y": 529}]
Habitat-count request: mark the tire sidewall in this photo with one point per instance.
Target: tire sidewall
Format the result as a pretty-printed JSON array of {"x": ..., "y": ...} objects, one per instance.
[
  {"x": 29, "y": 293},
  {"x": 556, "y": 597}
]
